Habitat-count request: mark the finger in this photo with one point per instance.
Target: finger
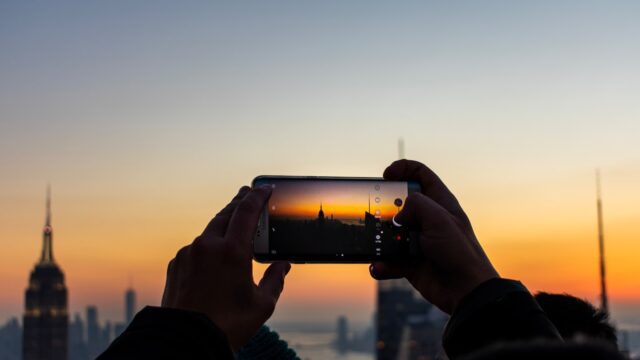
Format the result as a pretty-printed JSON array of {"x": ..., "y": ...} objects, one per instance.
[
  {"x": 244, "y": 221},
  {"x": 432, "y": 186},
  {"x": 385, "y": 270},
  {"x": 272, "y": 281},
  {"x": 168, "y": 281},
  {"x": 218, "y": 225},
  {"x": 423, "y": 213}
]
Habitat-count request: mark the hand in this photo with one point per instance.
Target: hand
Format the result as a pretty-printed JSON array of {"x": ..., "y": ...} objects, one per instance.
[
  {"x": 454, "y": 262},
  {"x": 214, "y": 275}
]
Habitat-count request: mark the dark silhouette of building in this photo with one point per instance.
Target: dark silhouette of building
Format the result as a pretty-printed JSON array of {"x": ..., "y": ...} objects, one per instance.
[
  {"x": 342, "y": 338},
  {"x": 10, "y": 340},
  {"x": 129, "y": 305},
  {"x": 46, "y": 320},
  {"x": 94, "y": 333},
  {"x": 77, "y": 343},
  {"x": 320, "y": 214},
  {"x": 396, "y": 304},
  {"x": 405, "y": 328},
  {"x": 604, "y": 302},
  {"x": 106, "y": 336}
]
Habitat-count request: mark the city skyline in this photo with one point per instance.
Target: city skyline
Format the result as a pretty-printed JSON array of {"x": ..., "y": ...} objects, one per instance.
[
  {"x": 343, "y": 199},
  {"x": 146, "y": 119}
]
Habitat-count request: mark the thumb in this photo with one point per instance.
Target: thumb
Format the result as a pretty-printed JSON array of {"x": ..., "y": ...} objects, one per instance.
[{"x": 272, "y": 281}]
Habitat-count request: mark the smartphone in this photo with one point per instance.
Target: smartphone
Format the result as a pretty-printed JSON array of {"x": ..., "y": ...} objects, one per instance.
[{"x": 314, "y": 219}]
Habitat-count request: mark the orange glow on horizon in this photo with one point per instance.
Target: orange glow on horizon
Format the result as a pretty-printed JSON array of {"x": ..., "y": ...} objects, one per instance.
[{"x": 339, "y": 211}]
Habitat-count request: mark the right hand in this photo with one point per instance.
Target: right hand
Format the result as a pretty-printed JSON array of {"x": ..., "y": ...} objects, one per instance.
[{"x": 454, "y": 262}]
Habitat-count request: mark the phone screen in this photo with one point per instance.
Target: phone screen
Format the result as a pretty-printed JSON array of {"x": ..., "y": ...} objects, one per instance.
[{"x": 332, "y": 220}]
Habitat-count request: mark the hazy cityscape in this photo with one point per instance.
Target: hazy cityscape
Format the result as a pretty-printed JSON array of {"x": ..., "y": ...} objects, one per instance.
[
  {"x": 146, "y": 117},
  {"x": 403, "y": 327}
]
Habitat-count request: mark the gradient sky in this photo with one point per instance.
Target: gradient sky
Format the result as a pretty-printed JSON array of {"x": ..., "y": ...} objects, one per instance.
[
  {"x": 147, "y": 116},
  {"x": 344, "y": 200}
]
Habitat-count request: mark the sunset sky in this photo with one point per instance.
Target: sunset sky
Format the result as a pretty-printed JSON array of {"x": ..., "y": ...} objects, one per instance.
[
  {"x": 345, "y": 200},
  {"x": 147, "y": 117}
]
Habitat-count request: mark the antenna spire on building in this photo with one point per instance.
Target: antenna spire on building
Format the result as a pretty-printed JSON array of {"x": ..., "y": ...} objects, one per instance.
[
  {"x": 400, "y": 148},
  {"x": 47, "y": 233},
  {"x": 604, "y": 303},
  {"x": 48, "y": 216}
]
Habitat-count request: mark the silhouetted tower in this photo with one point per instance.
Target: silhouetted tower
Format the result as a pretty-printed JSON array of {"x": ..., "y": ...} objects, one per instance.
[
  {"x": 396, "y": 302},
  {"x": 129, "y": 305},
  {"x": 342, "y": 335},
  {"x": 604, "y": 303},
  {"x": 94, "y": 346},
  {"x": 321, "y": 213},
  {"x": 46, "y": 323}
]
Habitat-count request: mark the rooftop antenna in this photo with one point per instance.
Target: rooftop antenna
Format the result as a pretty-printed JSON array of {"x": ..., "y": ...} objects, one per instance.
[
  {"x": 400, "y": 148},
  {"x": 604, "y": 303},
  {"x": 47, "y": 233}
]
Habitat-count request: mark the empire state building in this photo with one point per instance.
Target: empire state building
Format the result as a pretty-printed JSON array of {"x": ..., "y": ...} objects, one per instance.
[{"x": 45, "y": 316}]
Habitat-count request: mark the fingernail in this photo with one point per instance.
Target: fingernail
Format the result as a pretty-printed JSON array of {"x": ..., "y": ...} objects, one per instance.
[{"x": 393, "y": 220}]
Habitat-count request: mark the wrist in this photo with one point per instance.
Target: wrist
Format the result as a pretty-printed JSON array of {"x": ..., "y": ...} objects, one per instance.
[{"x": 468, "y": 287}]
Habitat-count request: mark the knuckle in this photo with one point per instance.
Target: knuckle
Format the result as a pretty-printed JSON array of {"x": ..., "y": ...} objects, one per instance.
[
  {"x": 171, "y": 266},
  {"x": 182, "y": 253},
  {"x": 197, "y": 242}
]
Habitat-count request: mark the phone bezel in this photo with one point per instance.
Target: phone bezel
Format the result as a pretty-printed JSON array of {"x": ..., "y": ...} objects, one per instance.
[{"x": 261, "y": 240}]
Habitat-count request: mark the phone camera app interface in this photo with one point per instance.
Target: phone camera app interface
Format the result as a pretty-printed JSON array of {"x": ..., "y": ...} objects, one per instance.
[{"x": 340, "y": 218}]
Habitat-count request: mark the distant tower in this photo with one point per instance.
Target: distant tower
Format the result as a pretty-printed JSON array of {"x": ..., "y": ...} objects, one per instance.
[
  {"x": 320, "y": 213},
  {"x": 604, "y": 303},
  {"x": 342, "y": 336},
  {"x": 397, "y": 301},
  {"x": 46, "y": 323},
  {"x": 94, "y": 345},
  {"x": 129, "y": 305}
]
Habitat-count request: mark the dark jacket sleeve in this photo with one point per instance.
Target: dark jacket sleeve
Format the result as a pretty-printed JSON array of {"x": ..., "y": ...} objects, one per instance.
[
  {"x": 498, "y": 310},
  {"x": 266, "y": 345},
  {"x": 161, "y": 333}
]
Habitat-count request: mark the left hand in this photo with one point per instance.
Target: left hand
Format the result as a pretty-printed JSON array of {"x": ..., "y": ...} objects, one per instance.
[{"x": 214, "y": 275}]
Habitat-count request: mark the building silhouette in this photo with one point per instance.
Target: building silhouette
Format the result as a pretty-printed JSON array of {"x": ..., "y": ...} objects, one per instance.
[
  {"x": 129, "y": 305},
  {"x": 401, "y": 312},
  {"x": 77, "y": 343},
  {"x": 342, "y": 335},
  {"x": 10, "y": 340},
  {"x": 94, "y": 333},
  {"x": 604, "y": 302},
  {"x": 46, "y": 322}
]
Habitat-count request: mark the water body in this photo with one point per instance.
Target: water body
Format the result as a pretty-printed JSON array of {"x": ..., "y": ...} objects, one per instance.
[{"x": 317, "y": 346}]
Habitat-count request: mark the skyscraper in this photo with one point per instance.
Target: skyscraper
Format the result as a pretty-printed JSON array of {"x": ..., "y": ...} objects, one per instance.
[
  {"x": 342, "y": 335},
  {"x": 77, "y": 342},
  {"x": 604, "y": 303},
  {"x": 129, "y": 305},
  {"x": 397, "y": 302},
  {"x": 46, "y": 322},
  {"x": 94, "y": 335}
]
